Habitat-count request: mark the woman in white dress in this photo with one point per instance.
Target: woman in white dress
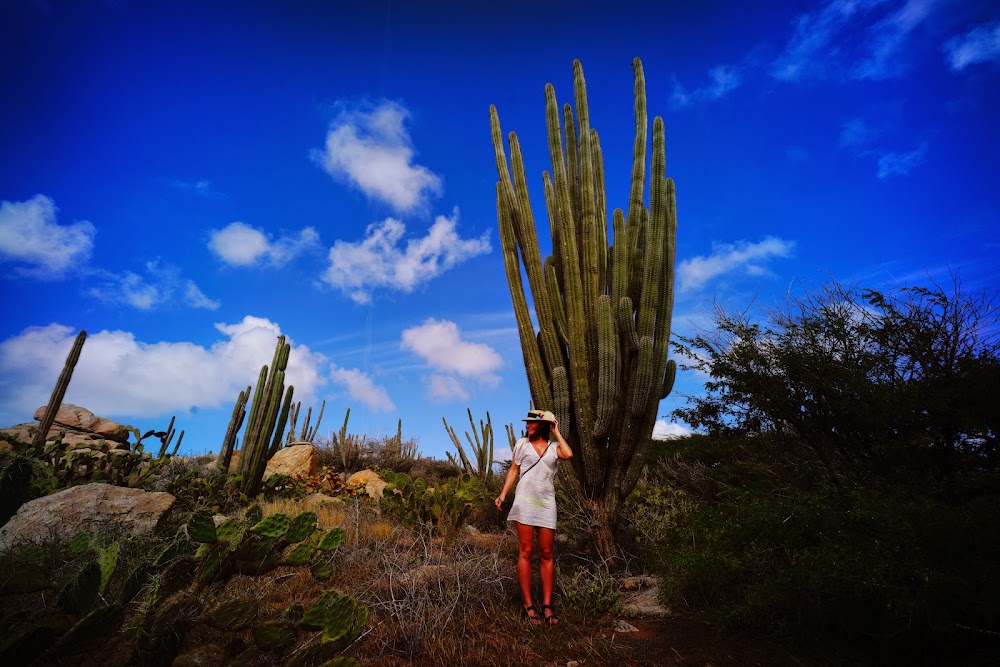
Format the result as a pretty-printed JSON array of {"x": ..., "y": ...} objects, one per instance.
[{"x": 534, "y": 505}]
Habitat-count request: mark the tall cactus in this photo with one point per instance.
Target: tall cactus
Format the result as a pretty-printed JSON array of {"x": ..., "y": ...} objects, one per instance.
[
  {"x": 482, "y": 447},
  {"x": 235, "y": 424},
  {"x": 55, "y": 400},
  {"x": 599, "y": 356},
  {"x": 264, "y": 418}
]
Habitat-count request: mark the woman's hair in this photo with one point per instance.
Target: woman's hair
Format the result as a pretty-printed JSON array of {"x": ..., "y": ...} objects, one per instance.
[{"x": 544, "y": 429}]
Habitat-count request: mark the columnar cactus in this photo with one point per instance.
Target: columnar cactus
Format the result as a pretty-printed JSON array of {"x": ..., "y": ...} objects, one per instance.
[
  {"x": 264, "y": 419},
  {"x": 603, "y": 301},
  {"x": 235, "y": 424},
  {"x": 55, "y": 400},
  {"x": 482, "y": 447}
]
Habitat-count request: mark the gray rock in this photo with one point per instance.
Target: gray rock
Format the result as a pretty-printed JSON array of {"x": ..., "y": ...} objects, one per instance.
[
  {"x": 87, "y": 507},
  {"x": 625, "y": 627}
]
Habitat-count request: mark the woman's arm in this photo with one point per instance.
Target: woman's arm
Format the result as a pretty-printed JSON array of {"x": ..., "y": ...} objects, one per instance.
[
  {"x": 563, "y": 450},
  {"x": 509, "y": 482}
]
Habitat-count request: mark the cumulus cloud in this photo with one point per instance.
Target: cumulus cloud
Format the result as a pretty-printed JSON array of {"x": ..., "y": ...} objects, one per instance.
[
  {"x": 979, "y": 45},
  {"x": 118, "y": 375},
  {"x": 744, "y": 257},
  {"x": 160, "y": 285},
  {"x": 33, "y": 240},
  {"x": 901, "y": 164},
  {"x": 445, "y": 389},
  {"x": 664, "y": 431},
  {"x": 378, "y": 261},
  {"x": 361, "y": 387},
  {"x": 722, "y": 80},
  {"x": 439, "y": 343},
  {"x": 851, "y": 39},
  {"x": 239, "y": 244},
  {"x": 370, "y": 148}
]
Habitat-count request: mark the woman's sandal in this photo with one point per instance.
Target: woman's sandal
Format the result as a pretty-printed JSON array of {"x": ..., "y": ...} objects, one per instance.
[
  {"x": 531, "y": 611},
  {"x": 551, "y": 619}
]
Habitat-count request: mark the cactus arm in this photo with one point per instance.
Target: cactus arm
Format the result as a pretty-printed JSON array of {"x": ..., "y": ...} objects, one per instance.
[
  {"x": 608, "y": 367},
  {"x": 58, "y": 393},
  {"x": 639, "y": 148},
  {"x": 180, "y": 439},
  {"x": 279, "y": 431},
  {"x": 537, "y": 382}
]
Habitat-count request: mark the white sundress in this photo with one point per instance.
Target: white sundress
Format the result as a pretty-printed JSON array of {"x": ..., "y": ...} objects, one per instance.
[{"x": 535, "y": 496}]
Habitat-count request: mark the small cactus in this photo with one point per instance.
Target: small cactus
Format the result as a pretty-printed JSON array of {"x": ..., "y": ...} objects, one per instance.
[
  {"x": 274, "y": 636},
  {"x": 273, "y": 526},
  {"x": 302, "y": 527},
  {"x": 300, "y": 554},
  {"x": 231, "y": 614},
  {"x": 332, "y": 539},
  {"x": 201, "y": 528}
]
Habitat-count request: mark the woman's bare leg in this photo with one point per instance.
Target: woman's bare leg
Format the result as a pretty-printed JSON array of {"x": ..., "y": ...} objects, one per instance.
[
  {"x": 526, "y": 545},
  {"x": 547, "y": 566}
]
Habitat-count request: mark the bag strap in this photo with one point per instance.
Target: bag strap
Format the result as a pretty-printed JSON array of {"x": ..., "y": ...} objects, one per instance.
[{"x": 536, "y": 462}]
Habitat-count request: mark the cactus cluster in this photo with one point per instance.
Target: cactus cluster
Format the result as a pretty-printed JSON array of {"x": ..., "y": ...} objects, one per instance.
[
  {"x": 157, "y": 603},
  {"x": 481, "y": 443},
  {"x": 308, "y": 433},
  {"x": 442, "y": 509},
  {"x": 268, "y": 417},
  {"x": 603, "y": 300}
]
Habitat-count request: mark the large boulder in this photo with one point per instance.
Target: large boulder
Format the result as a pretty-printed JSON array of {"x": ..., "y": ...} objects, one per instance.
[
  {"x": 82, "y": 508},
  {"x": 76, "y": 418},
  {"x": 369, "y": 480},
  {"x": 294, "y": 461}
]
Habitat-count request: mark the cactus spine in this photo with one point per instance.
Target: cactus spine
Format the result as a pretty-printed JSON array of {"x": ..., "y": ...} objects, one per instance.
[
  {"x": 55, "y": 400},
  {"x": 599, "y": 357}
]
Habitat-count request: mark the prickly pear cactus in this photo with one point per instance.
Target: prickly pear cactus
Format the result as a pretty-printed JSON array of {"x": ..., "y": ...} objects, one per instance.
[
  {"x": 301, "y": 527},
  {"x": 201, "y": 528},
  {"x": 273, "y": 526}
]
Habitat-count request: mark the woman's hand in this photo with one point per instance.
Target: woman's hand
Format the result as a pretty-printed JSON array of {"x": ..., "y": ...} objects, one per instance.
[{"x": 498, "y": 501}]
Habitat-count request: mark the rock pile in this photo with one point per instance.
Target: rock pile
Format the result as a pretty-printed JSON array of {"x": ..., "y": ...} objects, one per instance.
[{"x": 80, "y": 426}]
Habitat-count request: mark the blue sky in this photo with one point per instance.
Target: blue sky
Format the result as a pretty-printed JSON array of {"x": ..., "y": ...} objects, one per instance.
[{"x": 186, "y": 179}]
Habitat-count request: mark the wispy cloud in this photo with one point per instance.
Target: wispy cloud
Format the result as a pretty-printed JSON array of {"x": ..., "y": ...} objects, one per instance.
[
  {"x": 200, "y": 187},
  {"x": 32, "y": 239},
  {"x": 726, "y": 258},
  {"x": 361, "y": 387},
  {"x": 979, "y": 45},
  {"x": 901, "y": 164},
  {"x": 860, "y": 136},
  {"x": 445, "y": 389},
  {"x": 722, "y": 80},
  {"x": 117, "y": 374},
  {"x": 378, "y": 261},
  {"x": 160, "y": 285},
  {"x": 370, "y": 148},
  {"x": 852, "y": 40},
  {"x": 439, "y": 343},
  {"x": 239, "y": 244}
]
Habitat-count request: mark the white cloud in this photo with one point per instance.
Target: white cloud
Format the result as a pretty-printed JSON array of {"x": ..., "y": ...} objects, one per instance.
[
  {"x": 851, "y": 39},
  {"x": 979, "y": 45},
  {"x": 161, "y": 285},
  {"x": 664, "y": 431},
  {"x": 440, "y": 344},
  {"x": 32, "y": 238},
  {"x": 722, "y": 80},
  {"x": 749, "y": 258},
  {"x": 361, "y": 387},
  {"x": 239, "y": 244},
  {"x": 371, "y": 149},
  {"x": 901, "y": 164},
  {"x": 377, "y": 261},
  {"x": 118, "y": 375},
  {"x": 445, "y": 389}
]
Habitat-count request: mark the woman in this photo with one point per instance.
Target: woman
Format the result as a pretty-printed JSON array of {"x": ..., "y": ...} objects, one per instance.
[{"x": 535, "y": 505}]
